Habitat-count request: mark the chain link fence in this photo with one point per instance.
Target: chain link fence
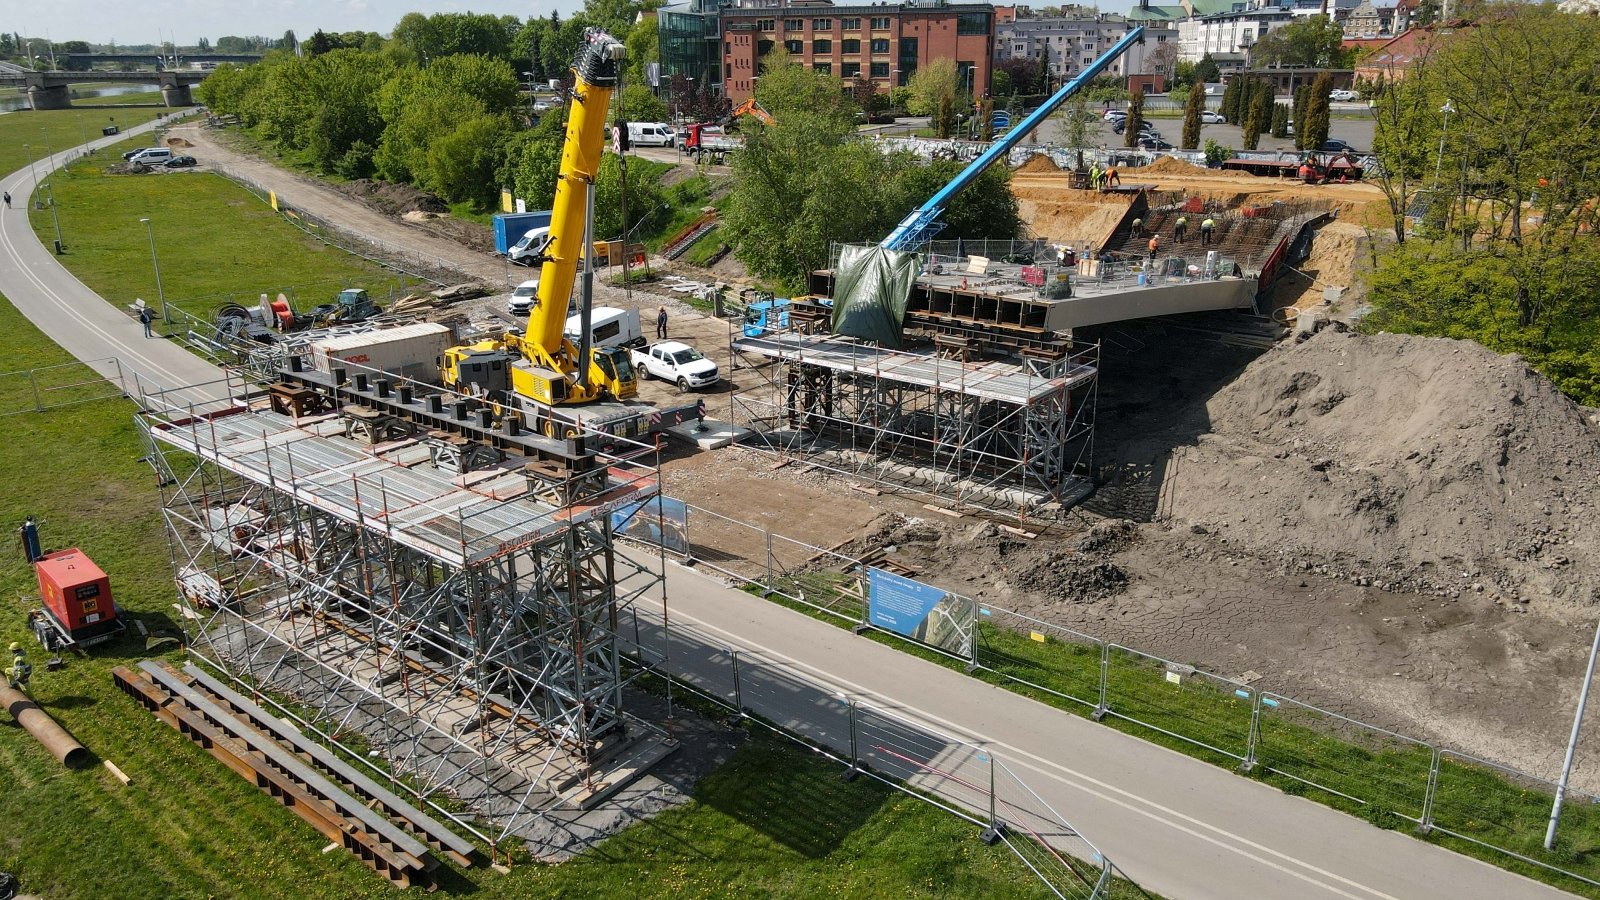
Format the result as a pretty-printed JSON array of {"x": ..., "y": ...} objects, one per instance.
[{"x": 1386, "y": 777}]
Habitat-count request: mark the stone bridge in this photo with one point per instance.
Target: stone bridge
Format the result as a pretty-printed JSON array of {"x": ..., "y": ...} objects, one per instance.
[{"x": 51, "y": 90}]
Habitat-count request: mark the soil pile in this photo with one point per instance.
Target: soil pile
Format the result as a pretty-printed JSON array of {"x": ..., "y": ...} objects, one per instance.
[
  {"x": 1402, "y": 462},
  {"x": 1063, "y": 215},
  {"x": 1171, "y": 165},
  {"x": 178, "y": 142},
  {"x": 393, "y": 199},
  {"x": 1039, "y": 163}
]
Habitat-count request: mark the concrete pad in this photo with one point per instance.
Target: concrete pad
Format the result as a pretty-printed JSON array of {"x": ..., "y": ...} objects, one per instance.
[{"x": 716, "y": 435}]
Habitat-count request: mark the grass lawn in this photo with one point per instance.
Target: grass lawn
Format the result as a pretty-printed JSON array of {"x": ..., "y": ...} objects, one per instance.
[
  {"x": 134, "y": 98},
  {"x": 58, "y": 129},
  {"x": 216, "y": 242}
]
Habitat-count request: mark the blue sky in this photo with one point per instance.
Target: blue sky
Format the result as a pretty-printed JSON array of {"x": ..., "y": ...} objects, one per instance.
[{"x": 183, "y": 21}]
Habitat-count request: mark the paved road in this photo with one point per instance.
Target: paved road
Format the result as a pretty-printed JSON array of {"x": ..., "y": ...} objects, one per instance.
[{"x": 1180, "y": 827}]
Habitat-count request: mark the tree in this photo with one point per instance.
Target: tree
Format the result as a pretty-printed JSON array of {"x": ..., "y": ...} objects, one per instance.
[
  {"x": 1000, "y": 82},
  {"x": 1191, "y": 115},
  {"x": 1318, "y": 119},
  {"x": 289, "y": 42},
  {"x": 1025, "y": 74},
  {"x": 791, "y": 92},
  {"x": 1257, "y": 116},
  {"x": 449, "y": 34},
  {"x": 1162, "y": 59},
  {"x": 1206, "y": 70},
  {"x": 1280, "y": 120},
  {"x": 1182, "y": 75},
  {"x": 1130, "y": 134},
  {"x": 640, "y": 104},
  {"x": 68, "y": 47},
  {"x": 932, "y": 85},
  {"x": 203, "y": 45},
  {"x": 1314, "y": 42},
  {"x": 1231, "y": 111},
  {"x": 1298, "y": 115},
  {"x": 644, "y": 48}
]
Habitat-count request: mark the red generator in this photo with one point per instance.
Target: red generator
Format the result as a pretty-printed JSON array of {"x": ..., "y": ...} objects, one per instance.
[{"x": 78, "y": 609}]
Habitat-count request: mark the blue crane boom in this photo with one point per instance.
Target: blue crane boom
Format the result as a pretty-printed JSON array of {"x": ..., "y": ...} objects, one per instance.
[{"x": 924, "y": 223}]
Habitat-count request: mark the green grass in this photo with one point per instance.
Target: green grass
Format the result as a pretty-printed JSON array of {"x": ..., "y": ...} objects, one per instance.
[
  {"x": 134, "y": 98},
  {"x": 216, "y": 242},
  {"x": 58, "y": 129},
  {"x": 1358, "y": 770}
]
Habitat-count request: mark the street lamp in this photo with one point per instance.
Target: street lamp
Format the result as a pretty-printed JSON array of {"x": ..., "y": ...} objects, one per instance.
[
  {"x": 49, "y": 186},
  {"x": 32, "y": 173},
  {"x": 1438, "y": 165},
  {"x": 160, "y": 294}
]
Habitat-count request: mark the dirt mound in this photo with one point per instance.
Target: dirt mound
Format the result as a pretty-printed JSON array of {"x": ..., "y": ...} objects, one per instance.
[
  {"x": 1039, "y": 163},
  {"x": 393, "y": 199},
  {"x": 1337, "y": 250},
  {"x": 1063, "y": 215},
  {"x": 1171, "y": 165},
  {"x": 178, "y": 142},
  {"x": 1403, "y": 462}
]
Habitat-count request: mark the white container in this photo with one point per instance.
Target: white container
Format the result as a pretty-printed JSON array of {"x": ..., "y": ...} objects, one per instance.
[{"x": 413, "y": 351}]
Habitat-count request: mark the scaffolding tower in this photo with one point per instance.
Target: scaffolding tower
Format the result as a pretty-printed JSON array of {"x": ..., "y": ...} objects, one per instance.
[
  {"x": 1011, "y": 436},
  {"x": 457, "y": 624}
]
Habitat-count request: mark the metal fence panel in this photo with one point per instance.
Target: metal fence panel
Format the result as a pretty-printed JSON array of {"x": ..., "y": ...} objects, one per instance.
[
  {"x": 1179, "y": 701},
  {"x": 1038, "y": 654},
  {"x": 1506, "y": 810},
  {"x": 1344, "y": 757},
  {"x": 52, "y": 387}
]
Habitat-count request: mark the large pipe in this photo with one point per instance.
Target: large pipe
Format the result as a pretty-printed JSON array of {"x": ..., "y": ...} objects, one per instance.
[{"x": 38, "y": 723}]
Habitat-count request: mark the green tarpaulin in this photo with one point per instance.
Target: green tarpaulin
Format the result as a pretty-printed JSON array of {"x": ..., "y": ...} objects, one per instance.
[{"x": 870, "y": 292}]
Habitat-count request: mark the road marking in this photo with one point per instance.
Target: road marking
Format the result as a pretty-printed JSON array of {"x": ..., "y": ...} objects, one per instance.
[{"x": 1166, "y": 814}]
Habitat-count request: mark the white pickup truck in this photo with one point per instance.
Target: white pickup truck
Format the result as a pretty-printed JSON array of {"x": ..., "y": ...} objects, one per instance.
[{"x": 676, "y": 362}]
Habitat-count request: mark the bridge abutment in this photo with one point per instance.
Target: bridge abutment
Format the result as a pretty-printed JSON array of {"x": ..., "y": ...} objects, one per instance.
[
  {"x": 56, "y": 96},
  {"x": 176, "y": 95}
]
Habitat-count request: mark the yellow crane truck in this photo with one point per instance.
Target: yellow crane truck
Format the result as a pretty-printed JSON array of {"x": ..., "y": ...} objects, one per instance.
[{"x": 556, "y": 383}]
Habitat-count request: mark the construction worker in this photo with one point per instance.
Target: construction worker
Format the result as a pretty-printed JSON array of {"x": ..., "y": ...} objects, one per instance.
[
  {"x": 20, "y": 671},
  {"x": 661, "y": 324},
  {"x": 1111, "y": 177},
  {"x": 1094, "y": 176},
  {"x": 1154, "y": 241},
  {"x": 1136, "y": 228},
  {"x": 1180, "y": 228},
  {"x": 1206, "y": 227}
]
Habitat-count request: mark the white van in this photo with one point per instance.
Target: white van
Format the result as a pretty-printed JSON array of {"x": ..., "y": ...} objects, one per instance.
[
  {"x": 651, "y": 134},
  {"x": 151, "y": 156},
  {"x": 608, "y": 327},
  {"x": 526, "y": 251}
]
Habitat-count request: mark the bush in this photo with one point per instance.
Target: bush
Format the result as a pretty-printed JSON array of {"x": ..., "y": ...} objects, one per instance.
[
  {"x": 1216, "y": 154},
  {"x": 356, "y": 162}
]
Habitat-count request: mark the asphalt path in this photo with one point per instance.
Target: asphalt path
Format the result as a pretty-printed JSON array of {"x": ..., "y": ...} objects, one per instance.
[{"x": 1178, "y": 826}]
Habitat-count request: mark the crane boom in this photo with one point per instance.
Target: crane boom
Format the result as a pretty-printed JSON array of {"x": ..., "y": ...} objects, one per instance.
[
  {"x": 595, "y": 69},
  {"x": 923, "y": 223}
]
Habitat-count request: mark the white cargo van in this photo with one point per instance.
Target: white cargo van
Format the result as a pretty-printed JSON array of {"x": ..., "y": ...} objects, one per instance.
[
  {"x": 608, "y": 327},
  {"x": 526, "y": 251},
  {"x": 152, "y": 156},
  {"x": 651, "y": 134}
]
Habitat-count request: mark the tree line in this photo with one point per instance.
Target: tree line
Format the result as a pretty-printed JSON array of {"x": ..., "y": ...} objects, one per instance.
[{"x": 1489, "y": 143}]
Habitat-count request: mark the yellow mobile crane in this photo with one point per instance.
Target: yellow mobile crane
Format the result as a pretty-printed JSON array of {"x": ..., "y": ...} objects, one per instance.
[{"x": 541, "y": 365}]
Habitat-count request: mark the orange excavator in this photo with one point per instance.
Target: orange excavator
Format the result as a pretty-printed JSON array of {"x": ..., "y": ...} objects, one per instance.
[{"x": 752, "y": 108}]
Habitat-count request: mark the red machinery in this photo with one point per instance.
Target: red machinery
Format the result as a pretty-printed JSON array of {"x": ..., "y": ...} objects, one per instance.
[{"x": 78, "y": 609}]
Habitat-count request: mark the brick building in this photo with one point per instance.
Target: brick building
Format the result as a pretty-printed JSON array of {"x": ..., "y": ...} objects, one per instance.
[
  {"x": 883, "y": 44},
  {"x": 723, "y": 44}
]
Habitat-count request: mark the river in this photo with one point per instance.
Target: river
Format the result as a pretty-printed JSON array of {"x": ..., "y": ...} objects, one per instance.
[{"x": 11, "y": 101}]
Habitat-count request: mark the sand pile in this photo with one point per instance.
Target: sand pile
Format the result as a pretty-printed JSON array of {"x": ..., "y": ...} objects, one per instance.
[
  {"x": 1171, "y": 165},
  {"x": 1060, "y": 214},
  {"x": 1039, "y": 163},
  {"x": 1404, "y": 462},
  {"x": 178, "y": 142}
]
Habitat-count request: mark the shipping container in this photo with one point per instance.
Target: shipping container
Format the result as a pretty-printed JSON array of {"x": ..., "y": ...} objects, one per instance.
[
  {"x": 510, "y": 227},
  {"x": 412, "y": 351}
]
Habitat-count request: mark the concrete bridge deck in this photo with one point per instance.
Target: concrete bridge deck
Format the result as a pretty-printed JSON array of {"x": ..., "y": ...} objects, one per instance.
[{"x": 52, "y": 90}]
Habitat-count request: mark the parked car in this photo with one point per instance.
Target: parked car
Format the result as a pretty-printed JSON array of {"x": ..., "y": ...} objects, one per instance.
[
  {"x": 1146, "y": 143},
  {"x": 522, "y": 298},
  {"x": 1334, "y": 145},
  {"x": 676, "y": 362},
  {"x": 540, "y": 106},
  {"x": 1113, "y": 115},
  {"x": 1344, "y": 96},
  {"x": 1209, "y": 117},
  {"x": 134, "y": 152},
  {"x": 181, "y": 162},
  {"x": 151, "y": 156}
]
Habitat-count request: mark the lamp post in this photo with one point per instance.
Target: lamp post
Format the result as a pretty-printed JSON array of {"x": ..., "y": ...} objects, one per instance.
[
  {"x": 1572, "y": 745},
  {"x": 1438, "y": 165},
  {"x": 154, "y": 263},
  {"x": 56, "y": 216},
  {"x": 32, "y": 173}
]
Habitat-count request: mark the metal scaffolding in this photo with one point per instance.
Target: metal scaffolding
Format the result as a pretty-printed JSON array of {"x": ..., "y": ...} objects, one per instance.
[
  {"x": 1012, "y": 436},
  {"x": 456, "y": 625}
]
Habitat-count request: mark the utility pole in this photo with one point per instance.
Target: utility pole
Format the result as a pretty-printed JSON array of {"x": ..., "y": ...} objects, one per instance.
[
  {"x": 55, "y": 215},
  {"x": 160, "y": 294}
]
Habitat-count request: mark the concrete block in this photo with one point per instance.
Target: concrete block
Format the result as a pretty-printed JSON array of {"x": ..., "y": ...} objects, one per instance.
[{"x": 716, "y": 435}]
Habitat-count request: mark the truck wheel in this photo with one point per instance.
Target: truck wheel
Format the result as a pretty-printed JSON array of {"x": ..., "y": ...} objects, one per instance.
[{"x": 683, "y": 385}]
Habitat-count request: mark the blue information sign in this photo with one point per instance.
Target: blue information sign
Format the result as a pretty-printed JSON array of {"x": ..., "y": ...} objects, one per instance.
[{"x": 919, "y": 611}]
